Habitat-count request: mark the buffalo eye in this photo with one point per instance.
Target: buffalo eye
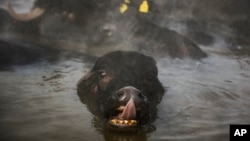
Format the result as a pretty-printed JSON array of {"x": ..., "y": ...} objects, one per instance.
[
  {"x": 150, "y": 78},
  {"x": 102, "y": 74},
  {"x": 104, "y": 78}
]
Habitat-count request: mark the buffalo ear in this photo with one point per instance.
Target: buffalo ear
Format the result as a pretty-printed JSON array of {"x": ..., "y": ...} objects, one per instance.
[
  {"x": 88, "y": 83},
  {"x": 87, "y": 91}
]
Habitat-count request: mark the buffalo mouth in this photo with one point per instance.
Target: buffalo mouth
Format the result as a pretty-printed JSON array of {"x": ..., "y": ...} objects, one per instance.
[
  {"x": 123, "y": 123},
  {"x": 126, "y": 116}
]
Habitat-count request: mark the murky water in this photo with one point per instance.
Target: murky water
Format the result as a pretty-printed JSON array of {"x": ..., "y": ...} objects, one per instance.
[
  {"x": 203, "y": 99},
  {"x": 39, "y": 101}
]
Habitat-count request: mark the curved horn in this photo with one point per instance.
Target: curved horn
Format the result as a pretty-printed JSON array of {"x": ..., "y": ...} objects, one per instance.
[{"x": 35, "y": 13}]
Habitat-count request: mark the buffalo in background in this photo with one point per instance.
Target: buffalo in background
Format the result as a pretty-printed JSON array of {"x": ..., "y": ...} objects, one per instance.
[
  {"x": 96, "y": 25},
  {"x": 178, "y": 29}
]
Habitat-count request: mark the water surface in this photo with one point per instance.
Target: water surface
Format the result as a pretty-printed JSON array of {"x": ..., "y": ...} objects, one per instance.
[{"x": 39, "y": 101}]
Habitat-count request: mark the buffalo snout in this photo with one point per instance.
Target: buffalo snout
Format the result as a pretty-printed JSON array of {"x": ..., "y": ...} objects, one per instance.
[{"x": 129, "y": 93}]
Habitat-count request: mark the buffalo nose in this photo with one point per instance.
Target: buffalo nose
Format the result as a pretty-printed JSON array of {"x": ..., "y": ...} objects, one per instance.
[{"x": 126, "y": 93}]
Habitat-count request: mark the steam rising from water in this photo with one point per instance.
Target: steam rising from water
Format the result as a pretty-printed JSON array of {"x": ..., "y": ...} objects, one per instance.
[
  {"x": 203, "y": 98},
  {"x": 39, "y": 101}
]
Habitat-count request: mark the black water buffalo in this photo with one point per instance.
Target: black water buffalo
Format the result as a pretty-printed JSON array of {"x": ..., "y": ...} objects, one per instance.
[
  {"x": 17, "y": 52},
  {"x": 123, "y": 89},
  {"x": 99, "y": 24}
]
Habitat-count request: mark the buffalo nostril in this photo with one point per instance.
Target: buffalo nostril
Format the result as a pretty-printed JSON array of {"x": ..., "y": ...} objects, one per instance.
[
  {"x": 140, "y": 95},
  {"x": 120, "y": 93}
]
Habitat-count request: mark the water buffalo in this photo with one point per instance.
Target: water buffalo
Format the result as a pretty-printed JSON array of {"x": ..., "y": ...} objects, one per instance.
[
  {"x": 17, "y": 52},
  {"x": 78, "y": 10},
  {"x": 123, "y": 89},
  {"x": 99, "y": 24}
]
